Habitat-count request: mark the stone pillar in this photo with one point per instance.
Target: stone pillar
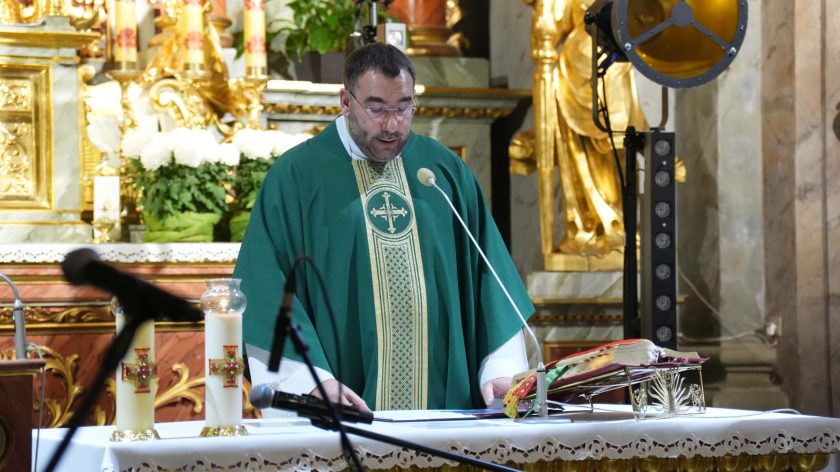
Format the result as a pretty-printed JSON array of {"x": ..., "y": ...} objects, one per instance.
[
  {"x": 721, "y": 247},
  {"x": 801, "y": 161}
]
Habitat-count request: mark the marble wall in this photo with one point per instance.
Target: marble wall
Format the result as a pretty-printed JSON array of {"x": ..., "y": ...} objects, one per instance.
[
  {"x": 511, "y": 64},
  {"x": 800, "y": 162}
]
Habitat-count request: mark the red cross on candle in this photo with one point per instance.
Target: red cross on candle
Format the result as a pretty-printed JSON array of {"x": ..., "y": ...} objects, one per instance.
[
  {"x": 229, "y": 368},
  {"x": 141, "y": 372}
]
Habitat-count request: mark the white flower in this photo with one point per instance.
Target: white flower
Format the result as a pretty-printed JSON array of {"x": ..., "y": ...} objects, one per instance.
[
  {"x": 155, "y": 154},
  {"x": 285, "y": 141},
  {"x": 194, "y": 147},
  {"x": 254, "y": 144},
  {"x": 229, "y": 154},
  {"x": 135, "y": 141}
]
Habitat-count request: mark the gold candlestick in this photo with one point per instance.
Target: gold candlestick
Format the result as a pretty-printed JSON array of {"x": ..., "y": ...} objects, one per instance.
[
  {"x": 249, "y": 90},
  {"x": 125, "y": 73}
]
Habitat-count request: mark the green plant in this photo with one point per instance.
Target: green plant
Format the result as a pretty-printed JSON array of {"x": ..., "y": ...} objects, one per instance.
[
  {"x": 177, "y": 172},
  {"x": 318, "y": 25}
]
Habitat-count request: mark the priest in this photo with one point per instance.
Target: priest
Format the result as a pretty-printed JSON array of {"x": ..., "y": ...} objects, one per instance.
[{"x": 419, "y": 320}]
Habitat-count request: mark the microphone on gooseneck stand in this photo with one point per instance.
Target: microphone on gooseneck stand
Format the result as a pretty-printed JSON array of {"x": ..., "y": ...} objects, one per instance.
[
  {"x": 19, "y": 317},
  {"x": 307, "y": 406},
  {"x": 427, "y": 178},
  {"x": 141, "y": 301},
  {"x": 139, "y": 298}
]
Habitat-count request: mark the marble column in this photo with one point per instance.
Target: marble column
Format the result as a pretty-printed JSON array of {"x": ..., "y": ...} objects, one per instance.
[{"x": 801, "y": 160}]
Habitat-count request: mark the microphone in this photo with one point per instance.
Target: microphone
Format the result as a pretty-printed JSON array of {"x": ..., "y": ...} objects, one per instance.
[
  {"x": 283, "y": 323},
  {"x": 20, "y": 320},
  {"x": 138, "y": 298},
  {"x": 427, "y": 178},
  {"x": 307, "y": 406}
]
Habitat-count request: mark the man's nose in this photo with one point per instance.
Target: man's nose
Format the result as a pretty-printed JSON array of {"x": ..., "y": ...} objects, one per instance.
[{"x": 390, "y": 123}]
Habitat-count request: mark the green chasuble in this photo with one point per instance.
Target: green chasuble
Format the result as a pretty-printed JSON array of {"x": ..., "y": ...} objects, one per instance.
[{"x": 416, "y": 308}]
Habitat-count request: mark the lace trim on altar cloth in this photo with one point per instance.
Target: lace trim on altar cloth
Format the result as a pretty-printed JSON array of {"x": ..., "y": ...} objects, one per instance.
[
  {"x": 779, "y": 451},
  {"x": 35, "y": 253}
]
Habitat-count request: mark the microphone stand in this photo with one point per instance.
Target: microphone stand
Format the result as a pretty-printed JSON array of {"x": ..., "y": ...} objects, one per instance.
[
  {"x": 334, "y": 423},
  {"x": 541, "y": 399},
  {"x": 319, "y": 422},
  {"x": 113, "y": 355},
  {"x": 350, "y": 454}
]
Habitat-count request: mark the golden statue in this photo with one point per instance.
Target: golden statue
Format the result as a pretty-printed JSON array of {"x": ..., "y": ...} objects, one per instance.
[{"x": 566, "y": 136}]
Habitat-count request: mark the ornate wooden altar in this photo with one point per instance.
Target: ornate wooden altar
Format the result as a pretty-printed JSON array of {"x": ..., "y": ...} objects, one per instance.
[{"x": 72, "y": 326}]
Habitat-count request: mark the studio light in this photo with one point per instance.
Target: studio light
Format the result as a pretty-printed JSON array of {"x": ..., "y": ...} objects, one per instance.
[{"x": 676, "y": 44}]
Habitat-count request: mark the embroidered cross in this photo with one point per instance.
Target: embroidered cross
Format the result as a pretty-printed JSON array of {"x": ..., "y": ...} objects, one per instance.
[
  {"x": 141, "y": 372},
  {"x": 229, "y": 368},
  {"x": 389, "y": 212}
]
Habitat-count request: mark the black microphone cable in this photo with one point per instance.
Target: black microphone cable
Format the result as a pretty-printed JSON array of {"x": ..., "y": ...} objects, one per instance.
[{"x": 282, "y": 326}]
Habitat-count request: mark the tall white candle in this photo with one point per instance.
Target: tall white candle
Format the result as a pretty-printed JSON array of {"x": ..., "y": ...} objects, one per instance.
[
  {"x": 223, "y": 369},
  {"x": 137, "y": 382}
]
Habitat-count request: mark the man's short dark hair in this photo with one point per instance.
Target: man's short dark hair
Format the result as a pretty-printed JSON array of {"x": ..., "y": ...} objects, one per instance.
[{"x": 385, "y": 58}]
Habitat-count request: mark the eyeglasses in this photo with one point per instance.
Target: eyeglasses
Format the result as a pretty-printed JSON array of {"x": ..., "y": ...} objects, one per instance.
[{"x": 378, "y": 112}]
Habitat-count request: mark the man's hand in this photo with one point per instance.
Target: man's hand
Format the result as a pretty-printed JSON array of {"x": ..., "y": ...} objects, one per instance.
[
  {"x": 348, "y": 397},
  {"x": 495, "y": 388}
]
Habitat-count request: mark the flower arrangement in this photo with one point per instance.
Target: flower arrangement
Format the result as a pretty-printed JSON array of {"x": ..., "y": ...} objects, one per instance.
[
  {"x": 181, "y": 177},
  {"x": 259, "y": 150},
  {"x": 184, "y": 178}
]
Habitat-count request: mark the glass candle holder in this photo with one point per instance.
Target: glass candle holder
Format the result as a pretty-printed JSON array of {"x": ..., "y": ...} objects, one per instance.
[{"x": 223, "y": 304}]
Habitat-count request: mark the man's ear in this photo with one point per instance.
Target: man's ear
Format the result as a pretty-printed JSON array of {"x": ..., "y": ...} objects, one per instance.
[{"x": 344, "y": 99}]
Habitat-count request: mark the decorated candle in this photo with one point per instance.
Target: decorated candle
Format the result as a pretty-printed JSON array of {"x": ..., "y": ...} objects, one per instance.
[
  {"x": 137, "y": 383},
  {"x": 192, "y": 18},
  {"x": 125, "y": 32},
  {"x": 223, "y": 304},
  {"x": 254, "y": 37}
]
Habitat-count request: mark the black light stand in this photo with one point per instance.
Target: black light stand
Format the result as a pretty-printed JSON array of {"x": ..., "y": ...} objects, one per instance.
[{"x": 658, "y": 319}]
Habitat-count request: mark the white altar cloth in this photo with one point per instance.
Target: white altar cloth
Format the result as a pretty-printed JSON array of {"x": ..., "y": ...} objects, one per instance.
[{"x": 609, "y": 433}]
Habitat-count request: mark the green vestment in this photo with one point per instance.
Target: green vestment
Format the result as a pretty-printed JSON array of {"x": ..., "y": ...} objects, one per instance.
[{"x": 416, "y": 308}]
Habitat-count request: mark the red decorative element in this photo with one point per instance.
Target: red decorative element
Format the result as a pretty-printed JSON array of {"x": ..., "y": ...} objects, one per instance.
[
  {"x": 254, "y": 4},
  {"x": 194, "y": 41},
  {"x": 141, "y": 372},
  {"x": 256, "y": 45},
  {"x": 126, "y": 38},
  {"x": 229, "y": 368}
]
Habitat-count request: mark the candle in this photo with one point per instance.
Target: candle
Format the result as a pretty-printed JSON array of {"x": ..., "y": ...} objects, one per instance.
[
  {"x": 223, "y": 369},
  {"x": 192, "y": 24},
  {"x": 136, "y": 385},
  {"x": 254, "y": 19},
  {"x": 125, "y": 32}
]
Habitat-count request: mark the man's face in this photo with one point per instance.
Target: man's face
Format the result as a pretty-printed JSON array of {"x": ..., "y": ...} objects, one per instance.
[{"x": 381, "y": 135}]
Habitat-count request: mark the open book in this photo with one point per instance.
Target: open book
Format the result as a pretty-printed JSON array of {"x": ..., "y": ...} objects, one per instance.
[{"x": 601, "y": 369}]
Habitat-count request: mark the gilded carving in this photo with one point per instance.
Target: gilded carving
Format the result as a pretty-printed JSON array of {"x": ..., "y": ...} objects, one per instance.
[
  {"x": 566, "y": 140},
  {"x": 24, "y": 127},
  {"x": 15, "y": 159},
  {"x": 71, "y": 315},
  {"x": 447, "y": 112},
  {"x": 15, "y": 95},
  {"x": 183, "y": 389}
]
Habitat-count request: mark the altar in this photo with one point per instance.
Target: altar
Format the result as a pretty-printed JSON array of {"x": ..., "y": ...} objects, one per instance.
[{"x": 608, "y": 438}]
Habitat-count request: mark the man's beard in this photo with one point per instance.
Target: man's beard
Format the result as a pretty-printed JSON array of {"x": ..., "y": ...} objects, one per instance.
[{"x": 364, "y": 142}]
